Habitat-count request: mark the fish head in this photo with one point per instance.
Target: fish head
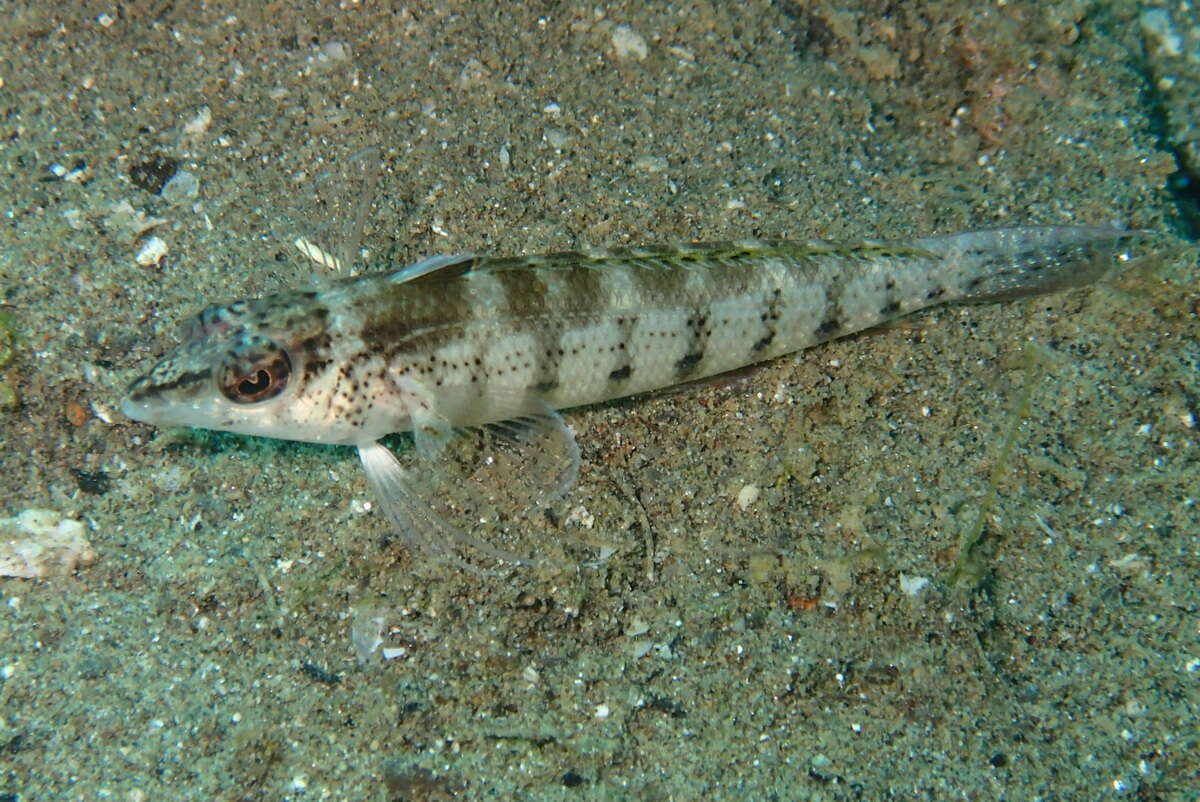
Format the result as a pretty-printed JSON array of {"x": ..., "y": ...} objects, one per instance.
[{"x": 248, "y": 367}]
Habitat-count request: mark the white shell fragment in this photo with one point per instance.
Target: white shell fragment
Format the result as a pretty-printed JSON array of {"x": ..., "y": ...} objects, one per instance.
[
  {"x": 913, "y": 585},
  {"x": 123, "y": 219},
  {"x": 199, "y": 124},
  {"x": 42, "y": 543},
  {"x": 315, "y": 253},
  {"x": 152, "y": 252},
  {"x": 366, "y": 630}
]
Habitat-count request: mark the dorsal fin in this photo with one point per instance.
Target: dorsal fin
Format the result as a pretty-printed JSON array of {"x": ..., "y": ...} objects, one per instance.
[{"x": 446, "y": 265}]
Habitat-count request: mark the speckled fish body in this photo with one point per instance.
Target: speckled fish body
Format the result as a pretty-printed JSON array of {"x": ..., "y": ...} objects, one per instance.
[
  {"x": 459, "y": 341},
  {"x": 484, "y": 339}
]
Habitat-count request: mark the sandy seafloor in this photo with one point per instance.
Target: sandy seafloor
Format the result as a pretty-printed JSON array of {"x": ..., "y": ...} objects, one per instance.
[{"x": 683, "y": 647}]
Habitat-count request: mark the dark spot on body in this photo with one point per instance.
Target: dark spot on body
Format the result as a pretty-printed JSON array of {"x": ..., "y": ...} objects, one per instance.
[
  {"x": 828, "y": 327},
  {"x": 621, "y": 373},
  {"x": 689, "y": 362}
]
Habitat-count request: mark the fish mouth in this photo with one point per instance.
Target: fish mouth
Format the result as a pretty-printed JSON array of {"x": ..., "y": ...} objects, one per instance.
[
  {"x": 136, "y": 402},
  {"x": 155, "y": 412},
  {"x": 152, "y": 411},
  {"x": 135, "y": 410}
]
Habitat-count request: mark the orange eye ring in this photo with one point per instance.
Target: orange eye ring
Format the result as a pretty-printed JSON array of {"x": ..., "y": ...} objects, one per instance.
[{"x": 257, "y": 382}]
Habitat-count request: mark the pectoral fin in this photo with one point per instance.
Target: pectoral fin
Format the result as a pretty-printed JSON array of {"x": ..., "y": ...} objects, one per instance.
[
  {"x": 473, "y": 489},
  {"x": 411, "y": 513}
]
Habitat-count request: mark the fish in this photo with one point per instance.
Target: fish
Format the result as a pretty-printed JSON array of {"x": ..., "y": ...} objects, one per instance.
[{"x": 463, "y": 344}]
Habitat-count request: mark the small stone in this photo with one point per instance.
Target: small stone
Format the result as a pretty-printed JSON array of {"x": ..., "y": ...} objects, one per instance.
[
  {"x": 747, "y": 496},
  {"x": 75, "y": 413},
  {"x": 472, "y": 74},
  {"x": 182, "y": 187},
  {"x": 335, "y": 51},
  {"x": 651, "y": 164},
  {"x": 629, "y": 43},
  {"x": 557, "y": 137}
]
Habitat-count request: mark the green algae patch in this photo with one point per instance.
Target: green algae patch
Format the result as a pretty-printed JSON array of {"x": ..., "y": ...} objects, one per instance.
[{"x": 9, "y": 399}]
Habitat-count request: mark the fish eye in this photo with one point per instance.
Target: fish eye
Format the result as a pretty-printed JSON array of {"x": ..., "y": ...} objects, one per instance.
[{"x": 258, "y": 381}]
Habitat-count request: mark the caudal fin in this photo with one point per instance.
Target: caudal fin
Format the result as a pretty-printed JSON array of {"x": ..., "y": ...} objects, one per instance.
[{"x": 1005, "y": 263}]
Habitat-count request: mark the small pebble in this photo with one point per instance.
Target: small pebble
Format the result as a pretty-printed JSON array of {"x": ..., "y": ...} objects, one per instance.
[
  {"x": 629, "y": 43},
  {"x": 747, "y": 496},
  {"x": 76, "y": 414},
  {"x": 182, "y": 187},
  {"x": 335, "y": 51}
]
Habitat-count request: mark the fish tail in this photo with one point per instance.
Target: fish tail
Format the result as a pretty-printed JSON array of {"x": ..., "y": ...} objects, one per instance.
[{"x": 1005, "y": 263}]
